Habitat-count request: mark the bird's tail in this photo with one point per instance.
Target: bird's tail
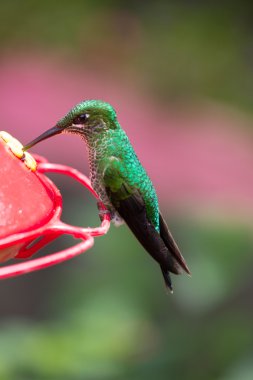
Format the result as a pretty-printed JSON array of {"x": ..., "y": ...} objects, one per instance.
[
  {"x": 175, "y": 261},
  {"x": 167, "y": 279}
]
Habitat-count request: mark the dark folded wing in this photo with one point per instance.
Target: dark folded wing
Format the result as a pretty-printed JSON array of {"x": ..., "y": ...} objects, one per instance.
[
  {"x": 133, "y": 211},
  {"x": 130, "y": 205}
]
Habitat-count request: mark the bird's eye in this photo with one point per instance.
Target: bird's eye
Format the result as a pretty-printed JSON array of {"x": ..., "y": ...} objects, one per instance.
[{"x": 81, "y": 119}]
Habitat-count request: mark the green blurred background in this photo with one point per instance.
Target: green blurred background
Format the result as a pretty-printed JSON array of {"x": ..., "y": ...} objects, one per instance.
[{"x": 167, "y": 67}]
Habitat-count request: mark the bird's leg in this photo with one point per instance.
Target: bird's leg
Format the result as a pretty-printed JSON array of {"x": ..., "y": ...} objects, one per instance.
[{"x": 102, "y": 211}]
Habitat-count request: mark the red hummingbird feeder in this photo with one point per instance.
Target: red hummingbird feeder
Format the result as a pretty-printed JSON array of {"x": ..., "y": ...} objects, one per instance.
[{"x": 31, "y": 207}]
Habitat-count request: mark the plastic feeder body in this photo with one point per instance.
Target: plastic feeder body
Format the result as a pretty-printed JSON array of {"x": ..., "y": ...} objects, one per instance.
[{"x": 30, "y": 210}]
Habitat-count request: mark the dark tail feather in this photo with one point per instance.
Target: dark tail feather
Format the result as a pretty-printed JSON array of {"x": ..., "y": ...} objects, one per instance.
[
  {"x": 167, "y": 279},
  {"x": 177, "y": 263},
  {"x": 161, "y": 247}
]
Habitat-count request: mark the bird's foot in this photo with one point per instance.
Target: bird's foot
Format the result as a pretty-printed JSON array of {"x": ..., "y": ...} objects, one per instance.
[{"x": 102, "y": 211}]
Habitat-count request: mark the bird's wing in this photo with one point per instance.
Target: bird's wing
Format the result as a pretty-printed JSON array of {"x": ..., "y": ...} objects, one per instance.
[{"x": 131, "y": 207}]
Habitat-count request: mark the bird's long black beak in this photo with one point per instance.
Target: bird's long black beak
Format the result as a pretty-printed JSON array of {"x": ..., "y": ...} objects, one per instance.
[{"x": 51, "y": 132}]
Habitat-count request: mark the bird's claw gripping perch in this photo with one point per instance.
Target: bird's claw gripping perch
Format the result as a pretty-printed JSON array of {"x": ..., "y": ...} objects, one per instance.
[{"x": 102, "y": 211}]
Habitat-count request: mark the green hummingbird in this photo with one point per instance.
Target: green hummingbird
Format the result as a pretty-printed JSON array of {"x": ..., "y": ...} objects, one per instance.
[{"x": 120, "y": 180}]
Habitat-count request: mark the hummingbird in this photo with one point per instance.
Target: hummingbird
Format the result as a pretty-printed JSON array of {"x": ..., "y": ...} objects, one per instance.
[{"x": 120, "y": 181}]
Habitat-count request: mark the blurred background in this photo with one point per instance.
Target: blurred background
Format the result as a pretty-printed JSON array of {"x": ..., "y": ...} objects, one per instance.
[{"x": 180, "y": 75}]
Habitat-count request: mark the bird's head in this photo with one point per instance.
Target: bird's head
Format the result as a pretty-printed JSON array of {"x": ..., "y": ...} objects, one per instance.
[{"x": 88, "y": 118}]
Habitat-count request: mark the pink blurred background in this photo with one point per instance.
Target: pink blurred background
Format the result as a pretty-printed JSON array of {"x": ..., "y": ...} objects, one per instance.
[{"x": 195, "y": 155}]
